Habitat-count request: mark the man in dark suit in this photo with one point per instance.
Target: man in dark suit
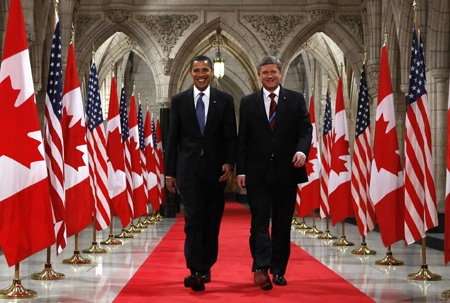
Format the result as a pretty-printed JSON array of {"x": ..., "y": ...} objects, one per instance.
[
  {"x": 200, "y": 154},
  {"x": 273, "y": 144}
]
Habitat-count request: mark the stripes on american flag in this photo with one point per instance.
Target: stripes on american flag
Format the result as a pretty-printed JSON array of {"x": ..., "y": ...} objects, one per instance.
[
  {"x": 98, "y": 170},
  {"x": 420, "y": 192},
  {"x": 157, "y": 160},
  {"x": 362, "y": 157},
  {"x": 326, "y": 158},
  {"x": 53, "y": 138},
  {"x": 126, "y": 146}
]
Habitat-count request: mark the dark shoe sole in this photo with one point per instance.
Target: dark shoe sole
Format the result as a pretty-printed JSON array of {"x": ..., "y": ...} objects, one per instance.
[
  {"x": 195, "y": 284},
  {"x": 262, "y": 280}
]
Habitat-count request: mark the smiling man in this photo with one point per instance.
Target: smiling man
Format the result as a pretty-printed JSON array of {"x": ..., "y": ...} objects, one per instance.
[
  {"x": 200, "y": 154},
  {"x": 274, "y": 140}
]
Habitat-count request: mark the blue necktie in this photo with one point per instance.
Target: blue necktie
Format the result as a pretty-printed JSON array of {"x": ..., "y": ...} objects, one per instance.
[{"x": 200, "y": 111}]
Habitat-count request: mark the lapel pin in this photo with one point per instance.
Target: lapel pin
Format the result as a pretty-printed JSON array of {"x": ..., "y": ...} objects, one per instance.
[{"x": 214, "y": 102}]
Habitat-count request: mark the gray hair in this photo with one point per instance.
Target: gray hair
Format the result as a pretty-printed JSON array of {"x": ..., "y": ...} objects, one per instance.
[{"x": 268, "y": 60}]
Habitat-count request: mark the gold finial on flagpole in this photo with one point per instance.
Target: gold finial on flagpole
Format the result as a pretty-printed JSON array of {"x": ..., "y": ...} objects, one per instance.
[
  {"x": 385, "y": 36},
  {"x": 73, "y": 36},
  {"x": 134, "y": 88},
  {"x": 55, "y": 3},
  {"x": 341, "y": 69},
  {"x": 365, "y": 54}
]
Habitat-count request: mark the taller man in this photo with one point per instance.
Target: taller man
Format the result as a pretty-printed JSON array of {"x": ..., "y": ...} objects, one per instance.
[
  {"x": 274, "y": 140},
  {"x": 200, "y": 154}
]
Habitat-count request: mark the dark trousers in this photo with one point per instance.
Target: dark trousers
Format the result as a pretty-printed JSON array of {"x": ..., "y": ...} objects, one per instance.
[
  {"x": 271, "y": 251},
  {"x": 203, "y": 210}
]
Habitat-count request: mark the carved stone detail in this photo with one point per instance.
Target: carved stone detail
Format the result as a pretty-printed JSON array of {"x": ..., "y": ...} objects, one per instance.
[
  {"x": 130, "y": 44},
  {"x": 320, "y": 15},
  {"x": 273, "y": 28},
  {"x": 84, "y": 22},
  {"x": 167, "y": 28},
  {"x": 373, "y": 72},
  {"x": 167, "y": 65},
  {"x": 118, "y": 15},
  {"x": 31, "y": 35},
  {"x": 354, "y": 23}
]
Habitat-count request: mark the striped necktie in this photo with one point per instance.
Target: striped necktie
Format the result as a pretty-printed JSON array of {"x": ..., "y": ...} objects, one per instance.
[
  {"x": 272, "y": 110},
  {"x": 200, "y": 111}
]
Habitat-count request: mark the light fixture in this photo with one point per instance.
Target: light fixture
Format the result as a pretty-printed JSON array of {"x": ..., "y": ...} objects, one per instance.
[{"x": 219, "y": 63}]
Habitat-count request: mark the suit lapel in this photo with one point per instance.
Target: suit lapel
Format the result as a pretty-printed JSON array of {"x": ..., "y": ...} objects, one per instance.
[
  {"x": 261, "y": 108},
  {"x": 281, "y": 107},
  {"x": 212, "y": 109},
  {"x": 190, "y": 108}
]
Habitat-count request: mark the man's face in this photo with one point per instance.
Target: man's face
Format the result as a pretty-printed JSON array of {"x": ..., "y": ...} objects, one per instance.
[
  {"x": 201, "y": 72},
  {"x": 270, "y": 76}
]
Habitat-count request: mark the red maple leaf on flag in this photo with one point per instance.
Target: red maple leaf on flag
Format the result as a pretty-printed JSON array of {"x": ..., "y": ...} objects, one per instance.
[
  {"x": 309, "y": 165},
  {"x": 342, "y": 150},
  {"x": 72, "y": 155},
  {"x": 386, "y": 156},
  {"x": 17, "y": 144},
  {"x": 116, "y": 158}
]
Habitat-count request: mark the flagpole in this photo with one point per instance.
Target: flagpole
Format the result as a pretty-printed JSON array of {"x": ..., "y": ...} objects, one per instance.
[
  {"x": 48, "y": 273},
  {"x": 343, "y": 240},
  {"x": 111, "y": 240},
  {"x": 363, "y": 249},
  {"x": 424, "y": 274},
  {"x": 16, "y": 290}
]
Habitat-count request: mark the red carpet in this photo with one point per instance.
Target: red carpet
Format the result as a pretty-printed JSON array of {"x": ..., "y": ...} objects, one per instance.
[{"x": 160, "y": 278}]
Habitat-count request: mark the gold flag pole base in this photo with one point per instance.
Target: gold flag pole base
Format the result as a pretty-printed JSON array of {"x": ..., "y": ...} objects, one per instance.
[
  {"x": 303, "y": 225},
  {"x": 76, "y": 259},
  {"x": 445, "y": 294},
  {"x": 159, "y": 217},
  {"x": 389, "y": 260},
  {"x": 133, "y": 229},
  {"x": 111, "y": 241},
  {"x": 17, "y": 291},
  {"x": 294, "y": 222},
  {"x": 424, "y": 274},
  {"x": 94, "y": 249},
  {"x": 48, "y": 274},
  {"x": 148, "y": 221},
  {"x": 141, "y": 224},
  {"x": 343, "y": 242},
  {"x": 314, "y": 230},
  {"x": 327, "y": 236},
  {"x": 124, "y": 235},
  {"x": 364, "y": 250}
]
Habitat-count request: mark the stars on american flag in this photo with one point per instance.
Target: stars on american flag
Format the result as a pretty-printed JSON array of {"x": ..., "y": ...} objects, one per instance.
[
  {"x": 123, "y": 116},
  {"x": 363, "y": 114},
  {"x": 93, "y": 108},
  {"x": 54, "y": 84},
  {"x": 417, "y": 71},
  {"x": 141, "y": 128},
  {"x": 327, "y": 122}
]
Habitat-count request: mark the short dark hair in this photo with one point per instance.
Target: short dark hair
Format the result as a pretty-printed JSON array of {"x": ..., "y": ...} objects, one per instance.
[
  {"x": 268, "y": 60},
  {"x": 201, "y": 58}
]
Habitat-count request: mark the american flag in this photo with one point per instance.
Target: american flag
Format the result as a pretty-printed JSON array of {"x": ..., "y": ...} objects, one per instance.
[
  {"x": 420, "y": 193},
  {"x": 159, "y": 151},
  {"x": 53, "y": 138},
  {"x": 326, "y": 158},
  {"x": 447, "y": 189},
  {"x": 362, "y": 157},
  {"x": 98, "y": 170},
  {"x": 142, "y": 149},
  {"x": 126, "y": 146}
]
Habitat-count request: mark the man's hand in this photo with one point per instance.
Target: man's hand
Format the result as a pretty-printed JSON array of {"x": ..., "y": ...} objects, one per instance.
[
  {"x": 226, "y": 168},
  {"x": 299, "y": 160},
  {"x": 171, "y": 184},
  {"x": 241, "y": 182}
]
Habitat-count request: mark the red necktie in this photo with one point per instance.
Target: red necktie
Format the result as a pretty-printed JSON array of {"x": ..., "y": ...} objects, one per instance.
[{"x": 272, "y": 110}]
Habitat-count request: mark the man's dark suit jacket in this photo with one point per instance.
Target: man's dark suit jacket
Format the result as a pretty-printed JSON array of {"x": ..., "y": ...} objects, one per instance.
[
  {"x": 185, "y": 142},
  {"x": 258, "y": 145}
]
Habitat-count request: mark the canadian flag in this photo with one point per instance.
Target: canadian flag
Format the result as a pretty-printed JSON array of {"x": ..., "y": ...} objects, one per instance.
[
  {"x": 26, "y": 222},
  {"x": 137, "y": 183},
  {"x": 152, "y": 180},
  {"x": 310, "y": 191},
  {"x": 117, "y": 182},
  {"x": 386, "y": 177},
  {"x": 339, "y": 187},
  {"x": 160, "y": 167},
  {"x": 447, "y": 189},
  {"x": 78, "y": 209}
]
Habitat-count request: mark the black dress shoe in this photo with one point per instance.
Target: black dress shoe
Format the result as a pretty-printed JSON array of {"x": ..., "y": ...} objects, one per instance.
[
  {"x": 194, "y": 281},
  {"x": 262, "y": 279},
  {"x": 279, "y": 280},
  {"x": 207, "y": 277}
]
